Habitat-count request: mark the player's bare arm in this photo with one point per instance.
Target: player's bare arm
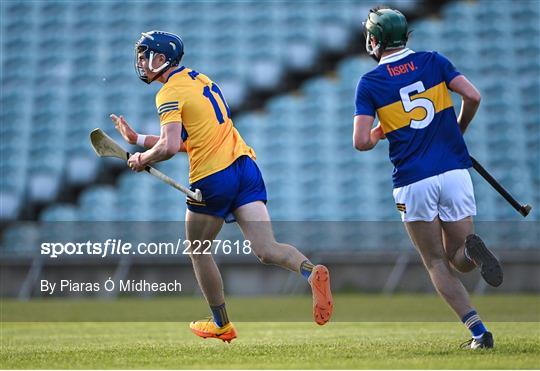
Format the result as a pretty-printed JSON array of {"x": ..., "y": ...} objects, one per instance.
[
  {"x": 149, "y": 141},
  {"x": 132, "y": 137},
  {"x": 165, "y": 148},
  {"x": 470, "y": 100},
  {"x": 364, "y": 136}
]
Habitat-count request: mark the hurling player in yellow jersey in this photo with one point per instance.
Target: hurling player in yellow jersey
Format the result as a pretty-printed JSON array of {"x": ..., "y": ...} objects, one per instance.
[{"x": 195, "y": 118}]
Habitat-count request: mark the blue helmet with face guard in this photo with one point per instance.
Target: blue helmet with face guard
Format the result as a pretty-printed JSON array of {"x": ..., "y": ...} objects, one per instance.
[{"x": 153, "y": 43}]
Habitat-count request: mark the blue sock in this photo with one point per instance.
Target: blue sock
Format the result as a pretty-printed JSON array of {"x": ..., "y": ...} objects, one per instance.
[
  {"x": 220, "y": 315},
  {"x": 305, "y": 268},
  {"x": 474, "y": 324}
]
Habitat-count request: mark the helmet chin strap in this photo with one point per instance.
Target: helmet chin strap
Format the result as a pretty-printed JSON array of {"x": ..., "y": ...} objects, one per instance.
[
  {"x": 160, "y": 70},
  {"x": 151, "y": 63}
]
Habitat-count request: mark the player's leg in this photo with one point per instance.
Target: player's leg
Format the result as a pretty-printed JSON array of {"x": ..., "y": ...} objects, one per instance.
[
  {"x": 200, "y": 228},
  {"x": 454, "y": 235},
  {"x": 250, "y": 211},
  {"x": 427, "y": 238},
  {"x": 456, "y": 208},
  {"x": 419, "y": 207},
  {"x": 254, "y": 221}
]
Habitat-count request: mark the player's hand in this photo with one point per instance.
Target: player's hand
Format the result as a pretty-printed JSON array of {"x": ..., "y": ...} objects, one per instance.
[
  {"x": 135, "y": 162},
  {"x": 378, "y": 132},
  {"x": 124, "y": 129}
]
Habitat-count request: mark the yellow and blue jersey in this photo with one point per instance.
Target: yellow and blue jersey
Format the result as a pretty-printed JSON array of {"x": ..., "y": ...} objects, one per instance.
[
  {"x": 409, "y": 93},
  {"x": 212, "y": 142}
]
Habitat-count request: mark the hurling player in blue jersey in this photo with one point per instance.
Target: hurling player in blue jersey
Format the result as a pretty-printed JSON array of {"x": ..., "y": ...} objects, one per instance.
[{"x": 409, "y": 93}]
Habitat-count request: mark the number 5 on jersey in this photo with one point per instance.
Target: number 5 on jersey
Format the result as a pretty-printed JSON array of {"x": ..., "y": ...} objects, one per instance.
[
  {"x": 209, "y": 93},
  {"x": 410, "y": 104}
]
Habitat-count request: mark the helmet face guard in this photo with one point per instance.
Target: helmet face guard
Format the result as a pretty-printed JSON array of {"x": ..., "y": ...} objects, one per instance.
[
  {"x": 158, "y": 42},
  {"x": 141, "y": 73},
  {"x": 149, "y": 55},
  {"x": 372, "y": 51},
  {"x": 377, "y": 51}
]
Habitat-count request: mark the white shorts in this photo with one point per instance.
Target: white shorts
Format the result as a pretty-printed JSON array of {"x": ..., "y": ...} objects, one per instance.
[{"x": 449, "y": 195}]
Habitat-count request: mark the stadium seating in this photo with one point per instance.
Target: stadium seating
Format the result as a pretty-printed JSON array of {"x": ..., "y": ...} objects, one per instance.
[
  {"x": 77, "y": 68},
  {"x": 79, "y": 71}
]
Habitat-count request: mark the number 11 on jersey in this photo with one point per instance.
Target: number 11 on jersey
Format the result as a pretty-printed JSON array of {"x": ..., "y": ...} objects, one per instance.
[{"x": 207, "y": 92}]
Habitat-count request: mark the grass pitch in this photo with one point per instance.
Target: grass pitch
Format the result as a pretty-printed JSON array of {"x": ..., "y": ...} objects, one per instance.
[{"x": 282, "y": 345}]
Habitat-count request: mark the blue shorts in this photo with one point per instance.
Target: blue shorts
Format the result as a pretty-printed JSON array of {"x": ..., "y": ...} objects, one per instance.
[{"x": 225, "y": 191}]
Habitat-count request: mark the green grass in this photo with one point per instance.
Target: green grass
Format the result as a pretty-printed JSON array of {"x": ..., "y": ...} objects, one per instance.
[
  {"x": 348, "y": 308},
  {"x": 285, "y": 345}
]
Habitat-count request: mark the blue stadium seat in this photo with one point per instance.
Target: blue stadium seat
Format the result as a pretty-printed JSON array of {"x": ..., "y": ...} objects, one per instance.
[
  {"x": 98, "y": 203},
  {"x": 59, "y": 213}
]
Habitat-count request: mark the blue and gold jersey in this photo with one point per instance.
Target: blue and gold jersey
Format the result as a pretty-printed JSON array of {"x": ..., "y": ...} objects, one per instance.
[
  {"x": 409, "y": 93},
  {"x": 212, "y": 142}
]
